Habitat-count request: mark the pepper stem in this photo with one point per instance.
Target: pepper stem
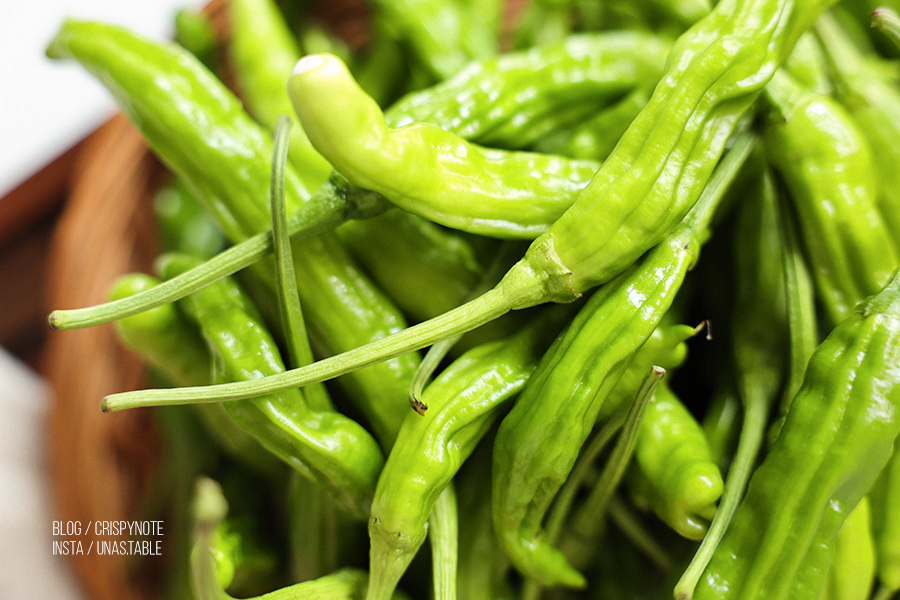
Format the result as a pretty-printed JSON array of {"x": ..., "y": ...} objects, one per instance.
[
  {"x": 322, "y": 213},
  {"x": 483, "y": 309}
]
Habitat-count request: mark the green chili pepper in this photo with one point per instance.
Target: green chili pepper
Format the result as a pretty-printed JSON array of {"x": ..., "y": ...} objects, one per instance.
[
  {"x": 427, "y": 170},
  {"x": 827, "y": 168},
  {"x": 200, "y": 130},
  {"x": 518, "y": 98},
  {"x": 664, "y": 348},
  {"x": 263, "y": 52},
  {"x": 483, "y": 566},
  {"x": 194, "y": 31},
  {"x": 334, "y": 203},
  {"x": 654, "y": 177},
  {"x": 327, "y": 447},
  {"x": 424, "y": 268},
  {"x": 588, "y": 360},
  {"x": 171, "y": 344},
  {"x": 595, "y": 138},
  {"x": 163, "y": 336},
  {"x": 838, "y": 435},
  {"x": 758, "y": 335},
  {"x": 870, "y": 96},
  {"x": 463, "y": 403},
  {"x": 184, "y": 223},
  {"x": 586, "y": 524},
  {"x": 672, "y": 454}
]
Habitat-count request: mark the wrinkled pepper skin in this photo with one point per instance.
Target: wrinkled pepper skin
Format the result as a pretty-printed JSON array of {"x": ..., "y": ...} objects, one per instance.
[
  {"x": 463, "y": 403},
  {"x": 330, "y": 449},
  {"x": 873, "y": 101},
  {"x": 671, "y": 452},
  {"x": 518, "y": 98},
  {"x": 838, "y": 434},
  {"x": 714, "y": 73},
  {"x": 539, "y": 440},
  {"x": 172, "y": 345},
  {"x": 426, "y": 170},
  {"x": 827, "y": 167},
  {"x": 200, "y": 130}
]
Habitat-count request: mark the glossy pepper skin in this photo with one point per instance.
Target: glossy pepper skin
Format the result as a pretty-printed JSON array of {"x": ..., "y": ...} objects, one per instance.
[
  {"x": 426, "y": 170},
  {"x": 463, "y": 403},
  {"x": 200, "y": 130},
  {"x": 172, "y": 345},
  {"x": 517, "y": 98},
  {"x": 671, "y": 453},
  {"x": 588, "y": 359},
  {"x": 713, "y": 74},
  {"x": 654, "y": 177},
  {"x": 873, "y": 101},
  {"x": 827, "y": 167},
  {"x": 838, "y": 434},
  {"x": 327, "y": 447}
]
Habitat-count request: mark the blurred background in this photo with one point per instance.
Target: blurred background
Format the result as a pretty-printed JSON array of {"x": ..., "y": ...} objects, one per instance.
[{"x": 47, "y": 109}]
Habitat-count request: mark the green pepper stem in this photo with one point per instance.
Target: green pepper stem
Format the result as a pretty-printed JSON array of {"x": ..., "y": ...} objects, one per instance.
[
  {"x": 292, "y": 322},
  {"x": 591, "y": 515},
  {"x": 483, "y": 309},
  {"x": 443, "y": 532},
  {"x": 322, "y": 213}
]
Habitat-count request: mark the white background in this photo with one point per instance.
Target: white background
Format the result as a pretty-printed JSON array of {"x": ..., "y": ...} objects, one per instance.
[{"x": 45, "y": 108}]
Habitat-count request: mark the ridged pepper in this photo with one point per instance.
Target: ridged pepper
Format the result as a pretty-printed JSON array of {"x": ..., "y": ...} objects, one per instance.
[
  {"x": 838, "y": 434},
  {"x": 330, "y": 449}
]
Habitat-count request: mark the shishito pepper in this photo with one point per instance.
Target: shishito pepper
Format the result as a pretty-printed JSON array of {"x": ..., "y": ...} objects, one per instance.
[
  {"x": 200, "y": 130},
  {"x": 827, "y": 168},
  {"x": 838, "y": 435},
  {"x": 715, "y": 72},
  {"x": 682, "y": 482},
  {"x": 584, "y": 364},
  {"x": 327, "y": 447},
  {"x": 463, "y": 403}
]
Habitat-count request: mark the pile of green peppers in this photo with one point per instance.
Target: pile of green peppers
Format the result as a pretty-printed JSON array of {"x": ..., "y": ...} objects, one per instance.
[{"x": 446, "y": 284}]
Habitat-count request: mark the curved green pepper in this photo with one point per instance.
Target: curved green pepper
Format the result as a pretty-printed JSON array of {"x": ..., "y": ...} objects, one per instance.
[
  {"x": 838, "y": 434},
  {"x": 327, "y": 447},
  {"x": 673, "y": 456},
  {"x": 426, "y": 170},
  {"x": 587, "y": 360},
  {"x": 827, "y": 168},
  {"x": 463, "y": 403},
  {"x": 518, "y": 98},
  {"x": 653, "y": 178},
  {"x": 200, "y": 130}
]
